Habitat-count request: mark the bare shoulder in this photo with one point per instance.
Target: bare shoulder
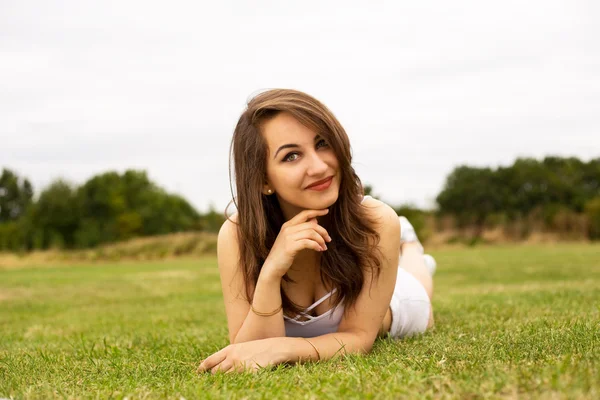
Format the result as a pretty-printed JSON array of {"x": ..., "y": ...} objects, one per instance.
[
  {"x": 387, "y": 226},
  {"x": 228, "y": 230},
  {"x": 227, "y": 245},
  {"x": 385, "y": 217}
]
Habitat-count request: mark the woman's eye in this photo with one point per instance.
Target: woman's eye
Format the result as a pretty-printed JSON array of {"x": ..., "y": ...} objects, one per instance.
[
  {"x": 322, "y": 143},
  {"x": 291, "y": 157}
]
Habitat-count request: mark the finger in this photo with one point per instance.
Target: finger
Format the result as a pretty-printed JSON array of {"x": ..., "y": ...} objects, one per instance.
[
  {"x": 306, "y": 215},
  {"x": 255, "y": 368},
  {"x": 231, "y": 370},
  {"x": 244, "y": 366},
  {"x": 211, "y": 361},
  {"x": 309, "y": 244},
  {"x": 323, "y": 232},
  {"x": 312, "y": 224},
  {"x": 237, "y": 367},
  {"x": 225, "y": 366},
  {"x": 312, "y": 235}
]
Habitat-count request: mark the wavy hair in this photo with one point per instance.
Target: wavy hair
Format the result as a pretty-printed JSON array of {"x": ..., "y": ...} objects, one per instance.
[{"x": 354, "y": 245}]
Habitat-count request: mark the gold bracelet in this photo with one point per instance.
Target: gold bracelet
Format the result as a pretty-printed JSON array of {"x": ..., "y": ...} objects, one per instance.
[
  {"x": 265, "y": 314},
  {"x": 314, "y": 347}
]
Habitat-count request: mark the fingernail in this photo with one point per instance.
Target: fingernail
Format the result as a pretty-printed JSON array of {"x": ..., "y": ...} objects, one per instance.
[
  {"x": 329, "y": 238},
  {"x": 324, "y": 247}
]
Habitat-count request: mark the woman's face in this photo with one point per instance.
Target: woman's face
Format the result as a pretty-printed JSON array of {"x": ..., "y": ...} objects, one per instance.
[{"x": 302, "y": 170}]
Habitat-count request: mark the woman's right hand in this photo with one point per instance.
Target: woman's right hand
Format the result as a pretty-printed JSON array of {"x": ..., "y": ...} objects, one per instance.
[{"x": 299, "y": 233}]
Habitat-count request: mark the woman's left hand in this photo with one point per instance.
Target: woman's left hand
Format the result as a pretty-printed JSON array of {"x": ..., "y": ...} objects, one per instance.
[{"x": 247, "y": 356}]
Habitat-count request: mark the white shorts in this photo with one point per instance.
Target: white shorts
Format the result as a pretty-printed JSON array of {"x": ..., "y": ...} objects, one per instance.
[{"x": 410, "y": 306}]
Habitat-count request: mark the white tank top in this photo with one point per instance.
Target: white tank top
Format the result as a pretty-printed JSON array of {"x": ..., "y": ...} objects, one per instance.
[{"x": 312, "y": 326}]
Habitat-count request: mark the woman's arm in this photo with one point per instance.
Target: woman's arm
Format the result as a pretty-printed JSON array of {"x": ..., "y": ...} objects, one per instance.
[
  {"x": 361, "y": 324},
  {"x": 299, "y": 233},
  {"x": 261, "y": 353},
  {"x": 373, "y": 302},
  {"x": 243, "y": 324}
]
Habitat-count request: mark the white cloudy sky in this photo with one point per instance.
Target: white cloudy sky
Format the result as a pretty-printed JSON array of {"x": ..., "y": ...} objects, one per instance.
[{"x": 420, "y": 86}]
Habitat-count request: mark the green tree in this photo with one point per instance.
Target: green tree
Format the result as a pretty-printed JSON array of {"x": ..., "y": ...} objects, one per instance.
[
  {"x": 116, "y": 207},
  {"x": 528, "y": 185},
  {"x": 470, "y": 194},
  {"x": 15, "y": 196},
  {"x": 55, "y": 217}
]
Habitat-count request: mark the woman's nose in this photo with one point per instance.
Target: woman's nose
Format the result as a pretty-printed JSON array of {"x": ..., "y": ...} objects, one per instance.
[{"x": 317, "y": 165}]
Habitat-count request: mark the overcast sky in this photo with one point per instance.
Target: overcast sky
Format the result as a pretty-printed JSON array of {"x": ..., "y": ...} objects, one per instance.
[{"x": 420, "y": 86}]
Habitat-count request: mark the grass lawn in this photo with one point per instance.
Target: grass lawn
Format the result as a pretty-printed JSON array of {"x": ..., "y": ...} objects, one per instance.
[{"x": 518, "y": 321}]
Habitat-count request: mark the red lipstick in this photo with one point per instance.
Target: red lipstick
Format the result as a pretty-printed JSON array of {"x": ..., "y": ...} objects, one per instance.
[{"x": 321, "y": 185}]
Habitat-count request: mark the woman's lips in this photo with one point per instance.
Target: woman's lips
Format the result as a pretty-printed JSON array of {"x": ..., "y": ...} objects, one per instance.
[{"x": 321, "y": 186}]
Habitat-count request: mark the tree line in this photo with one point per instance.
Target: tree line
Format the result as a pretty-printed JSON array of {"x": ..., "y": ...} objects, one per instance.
[
  {"x": 551, "y": 191},
  {"x": 107, "y": 208},
  {"x": 111, "y": 207}
]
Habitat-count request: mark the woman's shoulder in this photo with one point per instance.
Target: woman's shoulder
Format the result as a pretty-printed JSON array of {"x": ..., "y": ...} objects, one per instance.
[
  {"x": 387, "y": 225},
  {"x": 227, "y": 245},
  {"x": 381, "y": 213},
  {"x": 377, "y": 208},
  {"x": 228, "y": 231}
]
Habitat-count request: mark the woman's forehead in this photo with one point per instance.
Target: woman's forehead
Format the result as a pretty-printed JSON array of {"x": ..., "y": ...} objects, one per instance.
[{"x": 285, "y": 129}]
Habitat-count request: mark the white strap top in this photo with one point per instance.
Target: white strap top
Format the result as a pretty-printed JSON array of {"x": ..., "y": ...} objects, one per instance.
[
  {"x": 312, "y": 326},
  {"x": 305, "y": 313}
]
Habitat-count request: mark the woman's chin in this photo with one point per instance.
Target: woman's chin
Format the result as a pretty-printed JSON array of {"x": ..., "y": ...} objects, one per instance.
[
  {"x": 315, "y": 201},
  {"x": 323, "y": 201}
]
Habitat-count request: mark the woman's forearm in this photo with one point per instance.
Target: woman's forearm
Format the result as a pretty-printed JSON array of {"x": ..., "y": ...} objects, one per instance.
[
  {"x": 255, "y": 354},
  {"x": 323, "y": 347},
  {"x": 267, "y": 298}
]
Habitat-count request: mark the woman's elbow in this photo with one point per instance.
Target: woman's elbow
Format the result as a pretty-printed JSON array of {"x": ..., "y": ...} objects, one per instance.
[{"x": 364, "y": 341}]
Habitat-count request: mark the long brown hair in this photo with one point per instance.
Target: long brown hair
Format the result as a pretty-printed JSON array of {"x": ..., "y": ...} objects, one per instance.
[{"x": 354, "y": 245}]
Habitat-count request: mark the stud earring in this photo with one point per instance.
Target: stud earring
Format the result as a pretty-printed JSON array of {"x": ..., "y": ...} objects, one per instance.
[{"x": 269, "y": 191}]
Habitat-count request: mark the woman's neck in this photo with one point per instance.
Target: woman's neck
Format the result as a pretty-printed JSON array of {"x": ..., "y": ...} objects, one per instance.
[
  {"x": 306, "y": 262},
  {"x": 289, "y": 211}
]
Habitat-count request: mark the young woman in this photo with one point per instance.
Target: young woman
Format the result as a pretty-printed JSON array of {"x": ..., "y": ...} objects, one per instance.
[{"x": 309, "y": 266}]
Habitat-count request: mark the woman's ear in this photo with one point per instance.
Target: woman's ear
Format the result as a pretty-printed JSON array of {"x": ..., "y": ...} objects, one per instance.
[{"x": 267, "y": 191}]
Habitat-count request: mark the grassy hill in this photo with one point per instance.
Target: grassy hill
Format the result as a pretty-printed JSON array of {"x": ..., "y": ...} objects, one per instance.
[{"x": 186, "y": 244}]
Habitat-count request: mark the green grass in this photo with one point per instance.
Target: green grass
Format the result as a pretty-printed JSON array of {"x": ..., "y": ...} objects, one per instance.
[{"x": 519, "y": 321}]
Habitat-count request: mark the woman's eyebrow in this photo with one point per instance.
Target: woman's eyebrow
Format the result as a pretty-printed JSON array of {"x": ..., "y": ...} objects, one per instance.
[
  {"x": 285, "y": 146},
  {"x": 292, "y": 145}
]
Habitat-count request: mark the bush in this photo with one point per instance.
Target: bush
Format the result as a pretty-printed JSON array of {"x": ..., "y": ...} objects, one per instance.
[
  {"x": 418, "y": 219},
  {"x": 592, "y": 212},
  {"x": 9, "y": 237}
]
